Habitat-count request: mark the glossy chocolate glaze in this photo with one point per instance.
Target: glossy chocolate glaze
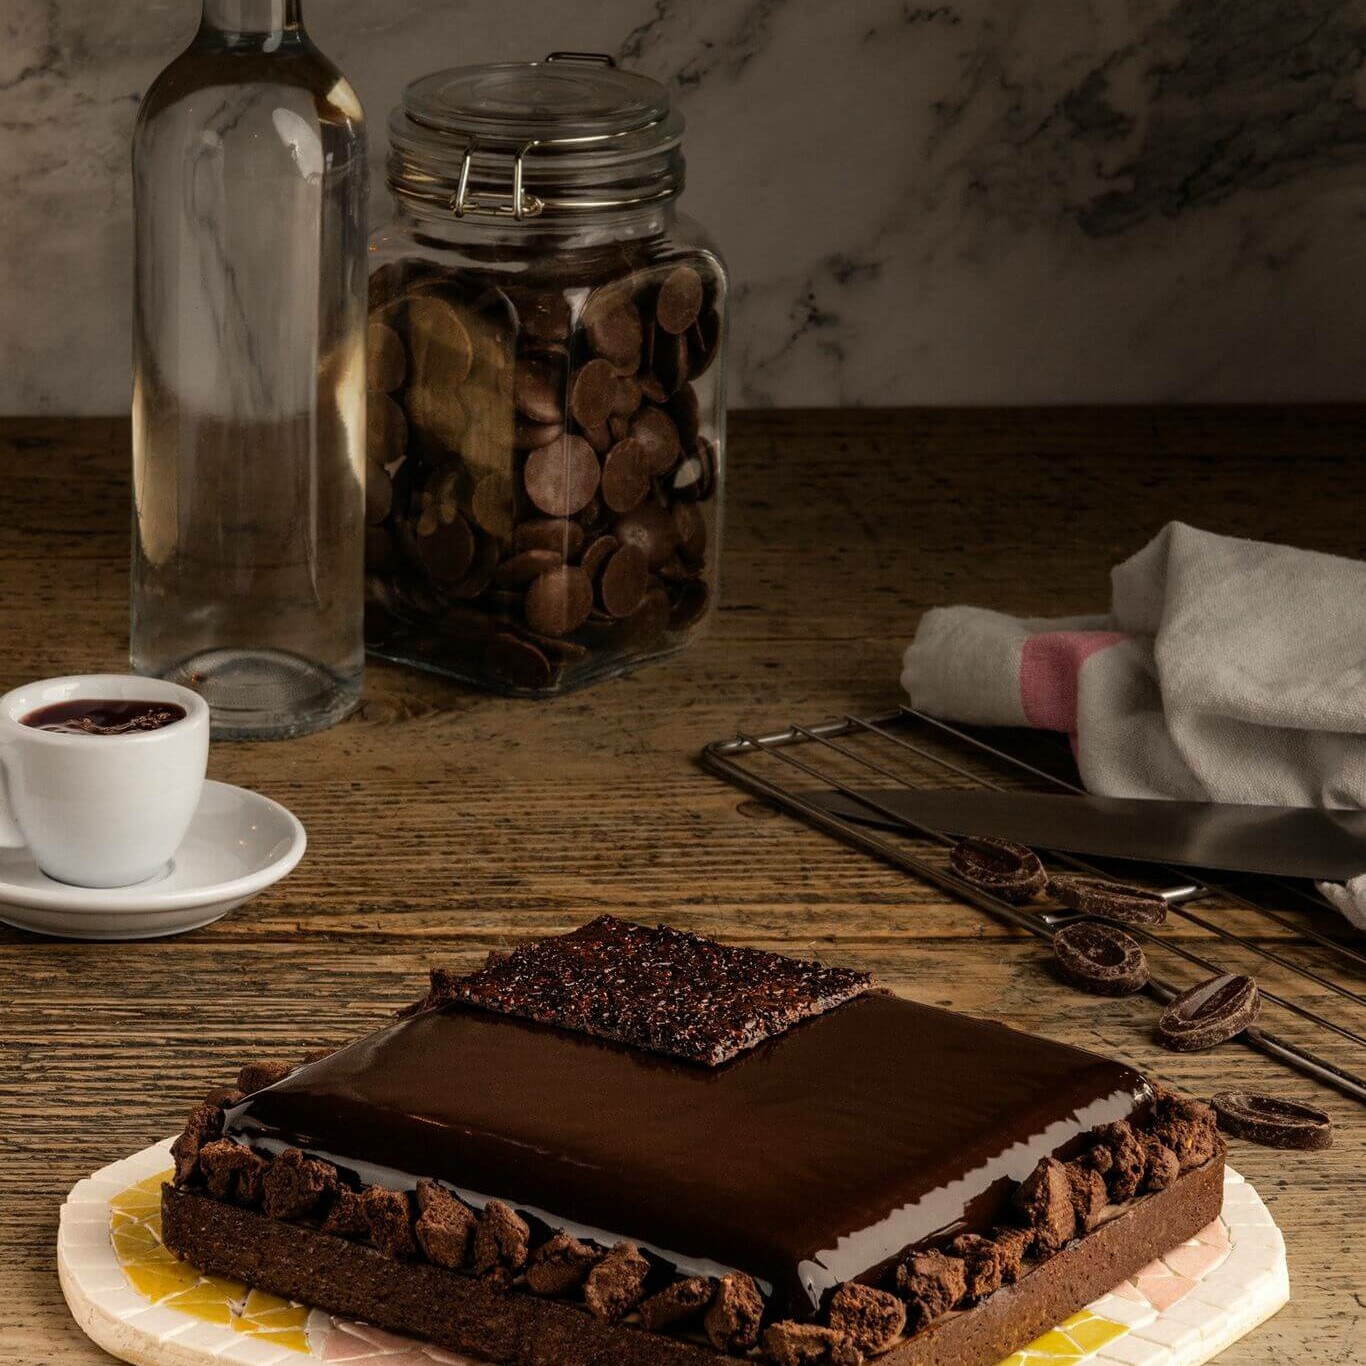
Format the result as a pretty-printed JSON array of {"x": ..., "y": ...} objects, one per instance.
[{"x": 808, "y": 1161}]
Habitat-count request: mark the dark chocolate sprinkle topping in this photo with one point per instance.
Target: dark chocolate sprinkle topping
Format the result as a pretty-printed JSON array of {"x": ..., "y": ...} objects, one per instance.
[{"x": 660, "y": 990}]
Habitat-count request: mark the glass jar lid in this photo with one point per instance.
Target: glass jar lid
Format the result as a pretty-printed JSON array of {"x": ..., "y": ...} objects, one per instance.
[{"x": 572, "y": 133}]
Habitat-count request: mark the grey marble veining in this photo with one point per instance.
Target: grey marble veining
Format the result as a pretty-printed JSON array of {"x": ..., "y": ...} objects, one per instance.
[{"x": 990, "y": 201}]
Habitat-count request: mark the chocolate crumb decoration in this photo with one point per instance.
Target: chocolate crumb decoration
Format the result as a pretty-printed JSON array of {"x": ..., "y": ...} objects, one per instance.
[
  {"x": 225, "y": 1097},
  {"x": 1273, "y": 1122},
  {"x": 1208, "y": 1014},
  {"x": 931, "y": 1283},
  {"x": 1162, "y": 1165},
  {"x": 984, "y": 1262},
  {"x": 1188, "y": 1127},
  {"x": 1044, "y": 1200},
  {"x": 871, "y": 1319},
  {"x": 501, "y": 1243},
  {"x": 1089, "y": 1196},
  {"x": 615, "y": 1286},
  {"x": 346, "y": 1215},
  {"x": 807, "y": 1344},
  {"x": 295, "y": 1185},
  {"x": 1100, "y": 958},
  {"x": 445, "y": 1226},
  {"x": 677, "y": 1304},
  {"x": 256, "y": 1076},
  {"x": 203, "y": 1126},
  {"x": 232, "y": 1172},
  {"x": 662, "y": 990},
  {"x": 1113, "y": 900},
  {"x": 1005, "y": 869},
  {"x": 1124, "y": 1161},
  {"x": 560, "y": 1265},
  {"x": 1012, "y": 1245},
  {"x": 318, "y": 1054},
  {"x": 737, "y": 1309},
  {"x": 389, "y": 1220}
]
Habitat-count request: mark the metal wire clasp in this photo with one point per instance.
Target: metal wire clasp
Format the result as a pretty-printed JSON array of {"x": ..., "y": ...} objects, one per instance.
[{"x": 521, "y": 205}]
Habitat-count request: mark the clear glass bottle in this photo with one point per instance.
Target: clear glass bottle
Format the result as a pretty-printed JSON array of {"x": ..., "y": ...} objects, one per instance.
[
  {"x": 547, "y": 405},
  {"x": 249, "y": 375}
]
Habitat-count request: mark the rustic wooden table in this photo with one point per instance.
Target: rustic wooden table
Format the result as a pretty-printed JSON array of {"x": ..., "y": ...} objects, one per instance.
[{"x": 443, "y": 823}]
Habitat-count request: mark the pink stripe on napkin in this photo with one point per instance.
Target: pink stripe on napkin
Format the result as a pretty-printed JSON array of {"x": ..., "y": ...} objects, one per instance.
[{"x": 1049, "y": 666}]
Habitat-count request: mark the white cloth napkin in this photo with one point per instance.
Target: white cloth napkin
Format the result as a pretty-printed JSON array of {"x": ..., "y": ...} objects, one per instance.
[{"x": 1226, "y": 670}]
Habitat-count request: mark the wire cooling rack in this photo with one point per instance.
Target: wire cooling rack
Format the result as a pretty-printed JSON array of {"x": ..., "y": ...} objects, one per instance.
[{"x": 1281, "y": 931}]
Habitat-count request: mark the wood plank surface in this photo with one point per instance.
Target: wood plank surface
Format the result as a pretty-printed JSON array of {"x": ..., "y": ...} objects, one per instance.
[{"x": 443, "y": 822}]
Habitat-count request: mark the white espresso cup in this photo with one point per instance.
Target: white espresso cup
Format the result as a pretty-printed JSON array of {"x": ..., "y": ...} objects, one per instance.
[{"x": 100, "y": 810}]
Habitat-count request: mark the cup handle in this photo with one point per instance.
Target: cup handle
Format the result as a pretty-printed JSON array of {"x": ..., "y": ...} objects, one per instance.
[{"x": 10, "y": 835}]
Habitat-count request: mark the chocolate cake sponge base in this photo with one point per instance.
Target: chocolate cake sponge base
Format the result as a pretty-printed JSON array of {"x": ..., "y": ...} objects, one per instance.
[{"x": 517, "y": 1328}]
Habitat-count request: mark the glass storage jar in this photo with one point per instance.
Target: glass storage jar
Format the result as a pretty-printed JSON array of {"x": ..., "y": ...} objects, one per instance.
[{"x": 546, "y": 381}]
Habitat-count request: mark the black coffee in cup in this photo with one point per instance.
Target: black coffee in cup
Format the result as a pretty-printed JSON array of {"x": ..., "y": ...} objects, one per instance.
[{"x": 96, "y": 716}]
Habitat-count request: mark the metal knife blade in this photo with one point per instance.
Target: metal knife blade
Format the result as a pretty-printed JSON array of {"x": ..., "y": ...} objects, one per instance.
[{"x": 1281, "y": 841}]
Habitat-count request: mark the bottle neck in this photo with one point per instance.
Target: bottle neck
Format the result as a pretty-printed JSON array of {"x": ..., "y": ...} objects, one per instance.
[{"x": 257, "y": 17}]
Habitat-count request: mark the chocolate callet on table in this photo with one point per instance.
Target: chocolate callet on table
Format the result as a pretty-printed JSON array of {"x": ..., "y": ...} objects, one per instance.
[
  {"x": 1211, "y": 1013},
  {"x": 1100, "y": 958},
  {"x": 1008, "y": 870},
  {"x": 662, "y": 990},
  {"x": 1273, "y": 1121}
]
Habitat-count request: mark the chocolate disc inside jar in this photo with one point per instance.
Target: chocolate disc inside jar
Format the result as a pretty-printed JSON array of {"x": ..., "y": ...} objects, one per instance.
[
  {"x": 562, "y": 478},
  {"x": 438, "y": 420},
  {"x": 685, "y": 410},
  {"x": 671, "y": 362},
  {"x": 680, "y": 300},
  {"x": 491, "y": 505},
  {"x": 1208, "y": 1014},
  {"x": 543, "y": 314},
  {"x": 622, "y": 584},
  {"x": 613, "y": 331},
  {"x": 625, "y": 476},
  {"x": 600, "y": 437},
  {"x": 1100, "y": 958},
  {"x": 627, "y": 398},
  {"x": 437, "y": 342},
  {"x": 537, "y": 390},
  {"x": 527, "y": 436},
  {"x": 525, "y": 566},
  {"x": 597, "y": 554},
  {"x": 1114, "y": 900},
  {"x": 691, "y": 526},
  {"x": 446, "y": 550},
  {"x": 379, "y": 494},
  {"x": 549, "y": 533},
  {"x": 650, "y": 529},
  {"x": 386, "y": 429},
  {"x": 658, "y": 437},
  {"x": 1273, "y": 1122},
  {"x": 595, "y": 388},
  {"x": 386, "y": 362},
  {"x": 517, "y": 662},
  {"x": 690, "y": 604},
  {"x": 559, "y": 601}
]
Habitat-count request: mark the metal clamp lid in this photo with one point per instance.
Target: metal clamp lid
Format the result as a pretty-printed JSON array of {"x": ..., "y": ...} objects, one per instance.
[{"x": 643, "y": 128}]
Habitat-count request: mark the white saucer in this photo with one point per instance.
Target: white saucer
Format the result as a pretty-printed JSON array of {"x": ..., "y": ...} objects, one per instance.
[{"x": 238, "y": 844}]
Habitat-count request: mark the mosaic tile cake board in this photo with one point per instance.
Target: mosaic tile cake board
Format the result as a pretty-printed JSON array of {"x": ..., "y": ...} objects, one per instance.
[{"x": 140, "y": 1303}]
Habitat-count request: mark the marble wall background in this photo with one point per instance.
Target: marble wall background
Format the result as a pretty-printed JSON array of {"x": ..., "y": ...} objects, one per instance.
[{"x": 979, "y": 202}]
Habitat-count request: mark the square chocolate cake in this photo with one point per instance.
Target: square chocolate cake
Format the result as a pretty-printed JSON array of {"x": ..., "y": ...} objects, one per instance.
[{"x": 629, "y": 1145}]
